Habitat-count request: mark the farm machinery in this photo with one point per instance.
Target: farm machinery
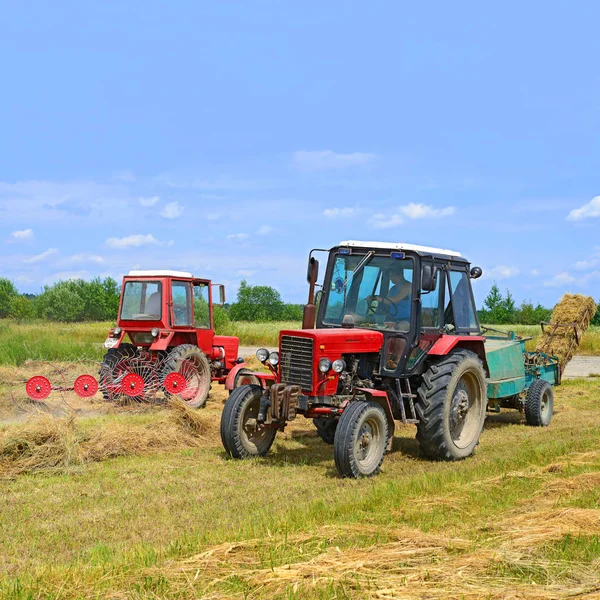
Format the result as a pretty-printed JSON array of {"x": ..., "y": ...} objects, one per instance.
[
  {"x": 395, "y": 338},
  {"x": 163, "y": 343}
]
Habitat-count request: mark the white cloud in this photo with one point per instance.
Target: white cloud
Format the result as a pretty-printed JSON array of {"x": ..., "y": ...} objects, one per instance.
[
  {"x": 42, "y": 256},
  {"x": 21, "y": 235},
  {"x": 264, "y": 230},
  {"x": 501, "y": 272},
  {"x": 173, "y": 210},
  {"x": 83, "y": 257},
  {"x": 409, "y": 211},
  {"x": 132, "y": 241},
  {"x": 534, "y": 272},
  {"x": 332, "y": 213},
  {"x": 322, "y": 160},
  {"x": 245, "y": 273},
  {"x": 238, "y": 236},
  {"x": 591, "y": 209},
  {"x": 589, "y": 263},
  {"x": 150, "y": 201},
  {"x": 213, "y": 216},
  {"x": 560, "y": 279}
]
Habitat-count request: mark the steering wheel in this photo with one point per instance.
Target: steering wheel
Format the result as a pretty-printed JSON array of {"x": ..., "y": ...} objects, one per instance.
[
  {"x": 392, "y": 306},
  {"x": 180, "y": 311}
]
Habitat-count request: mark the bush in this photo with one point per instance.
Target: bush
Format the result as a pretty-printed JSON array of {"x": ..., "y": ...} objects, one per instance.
[
  {"x": 257, "y": 303},
  {"x": 221, "y": 319},
  {"x": 8, "y": 292},
  {"x": 21, "y": 308}
]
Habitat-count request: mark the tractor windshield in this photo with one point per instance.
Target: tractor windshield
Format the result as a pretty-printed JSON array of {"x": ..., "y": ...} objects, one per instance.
[
  {"x": 142, "y": 301},
  {"x": 376, "y": 293}
]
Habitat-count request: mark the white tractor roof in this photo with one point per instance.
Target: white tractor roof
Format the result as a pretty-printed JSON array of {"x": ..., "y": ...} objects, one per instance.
[
  {"x": 164, "y": 273},
  {"x": 399, "y": 246}
]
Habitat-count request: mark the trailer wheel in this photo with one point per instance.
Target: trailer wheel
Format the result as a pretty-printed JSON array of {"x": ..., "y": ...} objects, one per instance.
[
  {"x": 239, "y": 434},
  {"x": 360, "y": 439},
  {"x": 191, "y": 362},
  {"x": 113, "y": 368},
  {"x": 451, "y": 407},
  {"x": 326, "y": 429},
  {"x": 539, "y": 404}
]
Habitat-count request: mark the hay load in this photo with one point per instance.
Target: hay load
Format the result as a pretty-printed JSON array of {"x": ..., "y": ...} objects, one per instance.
[{"x": 570, "y": 319}]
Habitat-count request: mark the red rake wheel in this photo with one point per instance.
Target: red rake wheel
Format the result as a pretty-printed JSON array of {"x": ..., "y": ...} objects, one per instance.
[
  {"x": 133, "y": 385},
  {"x": 175, "y": 383},
  {"x": 38, "y": 388},
  {"x": 85, "y": 386}
]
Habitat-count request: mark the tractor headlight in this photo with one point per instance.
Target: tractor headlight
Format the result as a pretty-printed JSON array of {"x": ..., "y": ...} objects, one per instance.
[
  {"x": 338, "y": 365},
  {"x": 117, "y": 331},
  {"x": 324, "y": 365},
  {"x": 274, "y": 358},
  {"x": 262, "y": 354},
  {"x": 155, "y": 331}
]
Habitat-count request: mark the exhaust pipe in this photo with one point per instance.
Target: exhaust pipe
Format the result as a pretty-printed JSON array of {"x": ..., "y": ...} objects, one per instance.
[{"x": 310, "y": 310}]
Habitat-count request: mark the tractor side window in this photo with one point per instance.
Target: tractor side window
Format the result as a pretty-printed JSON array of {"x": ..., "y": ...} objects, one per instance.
[
  {"x": 462, "y": 304},
  {"x": 181, "y": 303},
  {"x": 142, "y": 301},
  {"x": 430, "y": 305},
  {"x": 201, "y": 306}
]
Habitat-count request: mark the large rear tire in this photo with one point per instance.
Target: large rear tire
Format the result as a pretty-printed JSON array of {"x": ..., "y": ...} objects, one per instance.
[
  {"x": 539, "y": 404},
  {"x": 451, "y": 407},
  {"x": 360, "y": 440},
  {"x": 112, "y": 369},
  {"x": 240, "y": 435},
  {"x": 191, "y": 362}
]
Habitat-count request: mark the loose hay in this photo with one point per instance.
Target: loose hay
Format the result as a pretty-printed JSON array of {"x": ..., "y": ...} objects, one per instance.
[
  {"x": 560, "y": 337},
  {"x": 49, "y": 444}
]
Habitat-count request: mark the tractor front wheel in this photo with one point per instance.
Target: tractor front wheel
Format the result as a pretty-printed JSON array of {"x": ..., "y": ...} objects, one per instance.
[
  {"x": 360, "y": 439},
  {"x": 241, "y": 434},
  {"x": 188, "y": 360},
  {"x": 539, "y": 404},
  {"x": 452, "y": 401}
]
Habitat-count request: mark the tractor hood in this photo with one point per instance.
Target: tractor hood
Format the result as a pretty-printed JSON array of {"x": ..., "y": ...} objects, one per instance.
[{"x": 332, "y": 343}]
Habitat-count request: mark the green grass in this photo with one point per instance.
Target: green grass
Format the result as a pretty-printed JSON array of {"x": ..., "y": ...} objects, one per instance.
[{"x": 133, "y": 527}]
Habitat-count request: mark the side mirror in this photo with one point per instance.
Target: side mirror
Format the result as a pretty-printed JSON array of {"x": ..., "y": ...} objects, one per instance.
[
  {"x": 312, "y": 273},
  {"x": 222, "y": 295},
  {"x": 429, "y": 275},
  {"x": 476, "y": 272}
]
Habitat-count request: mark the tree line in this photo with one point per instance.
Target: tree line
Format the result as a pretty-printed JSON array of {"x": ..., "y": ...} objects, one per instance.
[{"x": 98, "y": 300}]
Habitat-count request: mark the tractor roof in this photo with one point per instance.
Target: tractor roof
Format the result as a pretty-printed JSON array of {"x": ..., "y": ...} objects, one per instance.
[
  {"x": 399, "y": 246},
  {"x": 159, "y": 273}
]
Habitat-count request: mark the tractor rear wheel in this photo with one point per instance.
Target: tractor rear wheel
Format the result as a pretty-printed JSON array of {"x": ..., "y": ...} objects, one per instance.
[
  {"x": 240, "y": 434},
  {"x": 113, "y": 368},
  {"x": 539, "y": 404},
  {"x": 326, "y": 429},
  {"x": 451, "y": 407},
  {"x": 360, "y": 439},
  {"x": 188, "y": 360}
]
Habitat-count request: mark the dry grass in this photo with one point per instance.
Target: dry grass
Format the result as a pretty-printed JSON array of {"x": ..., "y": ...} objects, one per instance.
[
  {"x": 49, "y": 444},
  {"x": 560, "y": 337}
]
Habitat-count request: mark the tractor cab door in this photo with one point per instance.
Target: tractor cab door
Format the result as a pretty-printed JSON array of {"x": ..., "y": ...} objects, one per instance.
[
  {"x": 460, "y": 315},
  {"x": 203, "y": 314}
]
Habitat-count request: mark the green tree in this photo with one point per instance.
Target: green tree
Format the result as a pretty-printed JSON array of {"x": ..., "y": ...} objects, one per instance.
[
  {"x": 62, "y": 302},
  {"x": 596, "y": 319},
  {"x": 257, "y": 303},
  {"x": 8, "y": 292},
  {"x": 21, "y": 308},
  {"x": 499, "y": 310},
  {"x": 528, "y": 314}
]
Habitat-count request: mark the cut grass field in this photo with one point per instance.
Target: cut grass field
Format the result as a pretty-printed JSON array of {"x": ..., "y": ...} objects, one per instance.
[
  {"x": 520, "y": 519},
  {"x": 58, "y": 341}
]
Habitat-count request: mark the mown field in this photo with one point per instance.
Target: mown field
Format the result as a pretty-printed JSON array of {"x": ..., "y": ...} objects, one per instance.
[
  {"x": 58, "y": 341},
  {"x": 521, "y": 519}
]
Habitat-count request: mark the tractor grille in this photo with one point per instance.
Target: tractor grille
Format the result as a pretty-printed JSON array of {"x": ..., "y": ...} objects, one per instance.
[{"x": 297, "y": 361}]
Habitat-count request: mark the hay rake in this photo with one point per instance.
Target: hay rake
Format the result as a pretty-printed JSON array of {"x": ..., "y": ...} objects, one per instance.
[{"x": 50, "y": 387}]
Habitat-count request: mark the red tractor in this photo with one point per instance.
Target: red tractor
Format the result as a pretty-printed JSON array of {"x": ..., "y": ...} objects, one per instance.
[
  {"x": 168, "y": 318},
  {"x": 396, "y": 338}
]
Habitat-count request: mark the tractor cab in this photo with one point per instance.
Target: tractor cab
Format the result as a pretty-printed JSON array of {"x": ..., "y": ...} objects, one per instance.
[{"x": 411, "y": 295}]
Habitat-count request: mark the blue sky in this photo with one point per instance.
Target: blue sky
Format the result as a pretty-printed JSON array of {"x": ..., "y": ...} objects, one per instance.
[{"x": 230, "y": 138}]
